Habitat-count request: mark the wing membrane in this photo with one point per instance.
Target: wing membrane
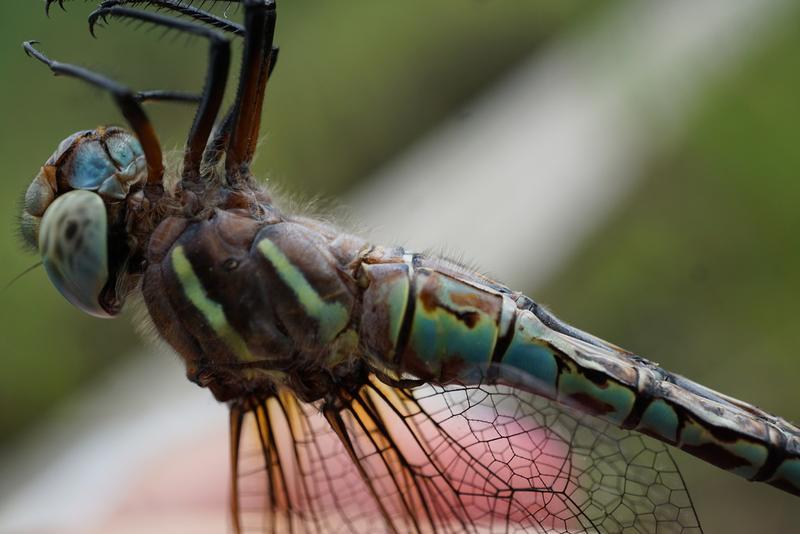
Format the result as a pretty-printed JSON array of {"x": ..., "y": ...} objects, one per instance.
[
  {"x": 305, "y": 482},
  {"x": 457, "y": 458}
]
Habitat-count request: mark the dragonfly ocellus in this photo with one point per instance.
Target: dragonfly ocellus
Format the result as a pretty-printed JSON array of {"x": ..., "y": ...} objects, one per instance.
[{"x": 370, "y": 388}]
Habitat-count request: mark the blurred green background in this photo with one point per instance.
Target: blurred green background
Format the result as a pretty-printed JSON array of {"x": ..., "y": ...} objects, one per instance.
[{"x": 698, "y": 269}]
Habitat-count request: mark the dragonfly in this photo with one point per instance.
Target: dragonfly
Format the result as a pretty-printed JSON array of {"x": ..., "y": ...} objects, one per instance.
[{"x": 370, "y": 388}]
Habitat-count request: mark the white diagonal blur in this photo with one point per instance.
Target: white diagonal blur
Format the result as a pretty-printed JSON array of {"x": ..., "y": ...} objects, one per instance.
[{"x": 517, "y": 180}]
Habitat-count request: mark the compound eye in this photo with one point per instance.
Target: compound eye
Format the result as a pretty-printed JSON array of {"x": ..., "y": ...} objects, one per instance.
[
  {"x": 74, "y": 248},
  {"x": 89, "y": 166},
  {"x": 107, "y": 161}
]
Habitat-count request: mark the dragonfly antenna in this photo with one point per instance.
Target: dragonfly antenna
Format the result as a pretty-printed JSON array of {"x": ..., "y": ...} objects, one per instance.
[{"x": 20, "y": 275}]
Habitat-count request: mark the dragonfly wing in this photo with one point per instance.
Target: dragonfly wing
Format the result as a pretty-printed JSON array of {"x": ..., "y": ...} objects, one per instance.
[
  {"x": 458, "y": 458},
  {"x": 291, "y": 473}
]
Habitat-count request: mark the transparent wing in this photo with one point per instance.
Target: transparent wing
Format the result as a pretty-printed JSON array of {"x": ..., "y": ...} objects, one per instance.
[
  {"x": 292, "y": 474},
  {"x": 458, "y": 458}
]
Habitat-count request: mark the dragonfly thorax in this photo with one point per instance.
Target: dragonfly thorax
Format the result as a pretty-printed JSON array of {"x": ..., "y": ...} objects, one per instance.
[{"x": 252, "y": 302}]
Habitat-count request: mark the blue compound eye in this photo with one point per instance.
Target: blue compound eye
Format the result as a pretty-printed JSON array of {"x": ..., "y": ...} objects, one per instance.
[
  {"x": 106, "y": 160},
  {"x": 89, "y": 166},
  {"x": 74, "y": 248},
  {"x": 124, "y": 149}
]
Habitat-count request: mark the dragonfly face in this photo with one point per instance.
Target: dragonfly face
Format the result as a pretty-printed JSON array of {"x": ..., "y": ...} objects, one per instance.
[
  {"x": 76, "y": 212},
  {"x": 382, "y": 389}
]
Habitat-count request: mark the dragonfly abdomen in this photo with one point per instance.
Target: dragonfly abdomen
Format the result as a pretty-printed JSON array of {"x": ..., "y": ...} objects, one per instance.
[{"x": 431, "y": 320}]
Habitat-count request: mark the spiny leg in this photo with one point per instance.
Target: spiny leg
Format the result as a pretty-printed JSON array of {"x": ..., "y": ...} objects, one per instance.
[
  {"x": 222, "y": 135},
  {"x": 216, "y": 78},
  {"x": 184, "y": 9},
  {"x": 49, "y": 3},
  {"x": 270, "y": 55},
  {"x": 216, "y": 147},
  {"x": 127, "y": 102},
  {"x": 159, "y": 95},
  {"x": 259, "y": 22}
]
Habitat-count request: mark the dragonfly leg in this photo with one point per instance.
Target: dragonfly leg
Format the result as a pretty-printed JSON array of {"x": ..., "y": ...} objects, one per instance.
[
  {"x": 49, "y": 3},
  {"x": 159, "y": 95},
  {"x": 216, "y": 147},
  {"x": 259, "y": 23},
  {"x": 197, "y": 14},
  {"x": 338, "y": 426},
  {"x": 236, "y": 418},
  {"x": 183, "y": 9},
  {"x": 127, "y": 102},
  {"x": 216, "y": 78}
]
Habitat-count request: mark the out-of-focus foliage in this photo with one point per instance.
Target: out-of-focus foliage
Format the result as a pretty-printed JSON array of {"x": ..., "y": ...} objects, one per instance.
[
  {"x": 357, "y": 81},
  {"x": 700, "y": 268}
]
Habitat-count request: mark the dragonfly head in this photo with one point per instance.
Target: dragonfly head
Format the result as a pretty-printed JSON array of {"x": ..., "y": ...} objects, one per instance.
[{"x": 74, "y": 213}]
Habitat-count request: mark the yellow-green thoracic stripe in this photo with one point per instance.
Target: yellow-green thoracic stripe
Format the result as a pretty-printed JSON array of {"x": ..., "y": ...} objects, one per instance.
[
  {"x": 332, "y": 317},
  {"x": 212, "y": 311}
]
